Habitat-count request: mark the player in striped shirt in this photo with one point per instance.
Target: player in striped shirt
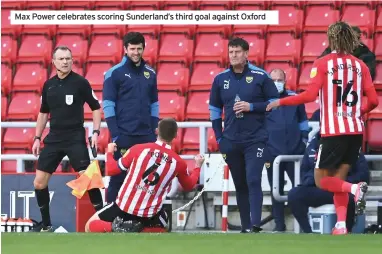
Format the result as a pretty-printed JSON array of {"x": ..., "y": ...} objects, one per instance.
[
  {"x": 150, "y": 167},
  {"x": 340, "y": 79}
]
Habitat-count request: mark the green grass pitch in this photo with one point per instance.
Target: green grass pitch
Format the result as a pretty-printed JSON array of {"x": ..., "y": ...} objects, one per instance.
[{"x": 184, "y": 243}]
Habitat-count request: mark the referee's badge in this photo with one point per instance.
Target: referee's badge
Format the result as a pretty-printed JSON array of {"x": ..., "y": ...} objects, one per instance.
[
  {"x": 147, "y": 74},
  {"x": 69, "y": 99},
  {"x": 249, "y": 79}
]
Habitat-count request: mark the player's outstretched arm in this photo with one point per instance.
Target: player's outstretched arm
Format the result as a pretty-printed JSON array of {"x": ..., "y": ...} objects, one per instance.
[
  {"x": 186, "y": 180},
  {"x": 112, "y": 166}
]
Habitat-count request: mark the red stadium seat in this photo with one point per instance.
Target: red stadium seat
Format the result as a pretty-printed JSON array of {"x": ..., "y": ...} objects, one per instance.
[
  {"x": 256, "y": 48},
  {"x": 171, "y": 105},
  {"x": 197, "y": 108},
  {"x": 105, "y": 48},
  {"x": 88, "y": 114},
  {"x": 10, "y": 166},
  {"x": 118, "y": 30},
  {"x": 151, "y": 30},
  {"x": 259, "y": 30},
  {"x": 173, "y": 77},
  {"x": 296, "y": 4},
  {"x": 179, "y": 5},
  {"x": 304, "y": 79},
  {"x": 378, "y": 45},
  {"x": 215, "y": 5},
  {"x": 249, "y": 6},
  {"x": 24, "y": 106},
  {"x": 377, "y": 112},
  {"x": 378, "y": 27},
  {"x": 203, "y": 75},
  {"x": 151, "y": 50},
  {"x": 145, "y": 5},
  {"x": 4, "y": 107},
  {"x": 6, "y": 27},
  {"x": 313, "y": 45},
  {"x": 35, "y": 5},
  {"x": 6, "y": 79},
  {"x": 378, "y": 76},
  {"x": 191, "y": 140},
  {"x": 77, "y": 4},
  {"x": 14, "y": 5},
  {"x": 18, "y": 138},
  {"x": 95, "y": 74},
  {"x": 176, "y": 48},
  {"x": 319, "y": 17},
  {"x": 224, "y": 30},
  {"x": 282, "y": 47},
  {"x": 311, "y": 107},
  {"x": 77, "y": 45},
  {"x": 123, "y": 5},
  {"x": 374, "y": 135},
  {"x": 29, "y": 77},
  {"x": 35, "y": 48},
  {"x": 211, "y": 48},
  {"x": 8, "y": 50},
  {"x": 290, "y": 19},
  {"x": 291, "y": 78},
  {"x": 83, "y": 30},
  {"x": 359, "y": 15},
  {"x": 188, "y": 30}
]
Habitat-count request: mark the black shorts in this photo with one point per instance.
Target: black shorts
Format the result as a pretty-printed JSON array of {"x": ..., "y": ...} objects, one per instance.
[
  {"x": 57, "y": 146},
  {"x": 111, "y": 211},
  {"x": 337, "y": 150}
]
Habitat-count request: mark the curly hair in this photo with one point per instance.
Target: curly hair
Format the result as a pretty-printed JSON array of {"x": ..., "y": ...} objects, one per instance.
[{"x": 342, "y": 37}]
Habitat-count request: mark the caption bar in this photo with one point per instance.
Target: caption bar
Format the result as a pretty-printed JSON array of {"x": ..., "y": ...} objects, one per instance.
[{"x": 144, "y": 17}]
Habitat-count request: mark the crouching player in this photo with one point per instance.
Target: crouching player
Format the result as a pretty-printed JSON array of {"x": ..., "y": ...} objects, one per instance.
[{"x": 150, "y": 167}]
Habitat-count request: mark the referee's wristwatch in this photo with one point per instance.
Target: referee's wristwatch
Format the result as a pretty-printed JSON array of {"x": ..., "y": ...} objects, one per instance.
[
  {"x": 96, "y": 131},
  {"x": 36, "y": 137}
]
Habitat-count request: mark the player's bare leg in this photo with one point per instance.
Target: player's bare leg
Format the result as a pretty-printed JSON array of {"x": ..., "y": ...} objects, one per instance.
[
  {"x": 333, "y": 181},
  {"x": 42, "y": 194}
]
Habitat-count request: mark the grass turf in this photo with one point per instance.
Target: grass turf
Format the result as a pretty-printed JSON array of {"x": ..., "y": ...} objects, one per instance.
[{"x": 75, "y": 243}]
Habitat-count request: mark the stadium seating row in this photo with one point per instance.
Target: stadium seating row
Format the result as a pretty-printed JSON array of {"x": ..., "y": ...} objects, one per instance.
[
  {"x": 171, "y": 76},
  {"x": 312, "y": 18}
]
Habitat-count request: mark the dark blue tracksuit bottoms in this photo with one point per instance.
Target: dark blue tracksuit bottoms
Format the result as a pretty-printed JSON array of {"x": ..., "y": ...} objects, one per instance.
[
  {"x": 246, "y": 162},
  {"x": 124, "y": 143},
  {"x": 278, "y": 207},
  {"x": 302, "y": 197}
]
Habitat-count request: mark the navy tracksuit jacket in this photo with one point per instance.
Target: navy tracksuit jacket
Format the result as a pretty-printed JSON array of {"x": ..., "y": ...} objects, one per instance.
[
  {"x": 288, "y": 132},
  {"x": 243, "y": 139},
  {"x": 308, "y": 195},
  {"x": 131, "y": 108}
]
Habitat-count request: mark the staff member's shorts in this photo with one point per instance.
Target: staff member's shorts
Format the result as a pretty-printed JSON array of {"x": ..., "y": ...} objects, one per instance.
[
  {"x": 337, "y": 150},
  {"x": 58, "y": 145}
]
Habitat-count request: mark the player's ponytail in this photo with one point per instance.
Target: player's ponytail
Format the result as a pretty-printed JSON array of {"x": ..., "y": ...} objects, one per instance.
[{"x": 342, "y": 38}]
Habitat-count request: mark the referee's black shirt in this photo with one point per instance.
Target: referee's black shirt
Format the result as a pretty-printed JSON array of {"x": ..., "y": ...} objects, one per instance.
[{"x": 64, "y": 99}]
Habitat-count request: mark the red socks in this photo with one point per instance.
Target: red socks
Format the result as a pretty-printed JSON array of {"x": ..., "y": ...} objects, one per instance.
[
  {"x": 341, "y": 201},
  {"x": 100, "y": 226},
  {"x": 334, "y": 184}
]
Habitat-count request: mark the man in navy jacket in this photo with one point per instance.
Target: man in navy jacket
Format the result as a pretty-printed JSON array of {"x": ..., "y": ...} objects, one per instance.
[
  {"x": 244, "y": 92},
  {"x": 130, "y": 103},
  {"x": 308, "y": 195},
  {"x": 288, "y": 134}
]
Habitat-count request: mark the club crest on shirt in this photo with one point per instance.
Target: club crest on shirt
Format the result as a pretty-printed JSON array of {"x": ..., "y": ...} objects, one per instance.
[
  {"x": 69, "y": 99},
  {"x": 313, "y": 72},
  {"x": 249, "y": 79},
  {"x": 146, "y": 74},
  {"x": 123, "y": 151}
]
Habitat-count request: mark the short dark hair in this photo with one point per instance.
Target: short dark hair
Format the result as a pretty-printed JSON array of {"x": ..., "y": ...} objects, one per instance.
[
  {"x": 133, "y": 38},
  {"x": 236, "y": 42},
  {"x": 167, "y": 129},
  {"x": 64, "y": 48}
]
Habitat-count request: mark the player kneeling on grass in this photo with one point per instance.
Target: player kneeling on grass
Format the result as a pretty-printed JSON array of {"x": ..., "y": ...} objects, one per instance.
[{"x": 150, "y": 167}]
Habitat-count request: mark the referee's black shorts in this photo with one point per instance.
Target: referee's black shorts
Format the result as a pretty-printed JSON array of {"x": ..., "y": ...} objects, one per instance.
[
  {"x": 57, "y": 145},
  {"x": 337, "y": 150},
  {"x": 111, "y": 211}
]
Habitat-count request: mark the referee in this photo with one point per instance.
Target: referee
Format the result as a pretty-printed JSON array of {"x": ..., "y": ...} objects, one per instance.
[{"x": 63, "y": 97}]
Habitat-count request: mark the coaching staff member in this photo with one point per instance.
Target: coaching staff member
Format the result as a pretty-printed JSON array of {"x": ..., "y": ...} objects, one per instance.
[
  {"x": 243, "y": 91},
  {"x": 130, "y": 103},
  {"x": 63, "y": 97}
]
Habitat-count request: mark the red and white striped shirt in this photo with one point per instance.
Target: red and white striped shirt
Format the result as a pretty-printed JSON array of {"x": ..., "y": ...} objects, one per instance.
[
  {"x": 340, "y": 80},
  {"x": 150, "y": 167}
]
